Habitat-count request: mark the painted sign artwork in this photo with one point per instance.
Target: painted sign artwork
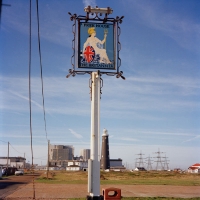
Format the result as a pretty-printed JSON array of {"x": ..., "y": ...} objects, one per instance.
[{"x": 96, "y": 46}]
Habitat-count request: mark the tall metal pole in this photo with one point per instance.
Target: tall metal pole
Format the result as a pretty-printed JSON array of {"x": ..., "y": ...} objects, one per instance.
[{"x": 94, "y": 162}]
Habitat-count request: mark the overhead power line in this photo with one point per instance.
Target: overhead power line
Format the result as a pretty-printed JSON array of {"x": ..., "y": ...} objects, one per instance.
[
  {"x": 3, "y": 141},
  {"x": 41, "y": 70},
  {"x": 16, "y": 149},
  {"x": 12, "y": 146}
]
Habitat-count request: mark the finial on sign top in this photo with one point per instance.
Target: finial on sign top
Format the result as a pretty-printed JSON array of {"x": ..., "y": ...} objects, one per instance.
[{"x": 96, "y": 10}]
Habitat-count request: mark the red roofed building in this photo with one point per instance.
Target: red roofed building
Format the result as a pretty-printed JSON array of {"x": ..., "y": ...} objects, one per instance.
[{"x": 194, "y": 168}]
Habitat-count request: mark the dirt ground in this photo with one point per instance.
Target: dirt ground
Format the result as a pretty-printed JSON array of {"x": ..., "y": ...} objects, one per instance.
[{"x": 66, "y": 191}]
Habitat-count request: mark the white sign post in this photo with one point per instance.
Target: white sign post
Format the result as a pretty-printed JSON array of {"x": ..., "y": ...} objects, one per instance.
[
  {"x": 98, "y": 48},
  {"x": 94, "y": 162}
]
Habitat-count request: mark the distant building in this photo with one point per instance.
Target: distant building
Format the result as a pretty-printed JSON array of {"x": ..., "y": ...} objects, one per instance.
[
  {"x": 116, "y": 164},
  {"x": 18, "y": 162},
  {"x": 85, "y": 154},
  {"x": 140, "y": 169},
  {"x": 59, "y": 154},
  {"x": 177, "y": 170},
  {"x": 77, "y": 166},
  {"x": 194, "y": 168},
  {"x": 78, "y": 158}
]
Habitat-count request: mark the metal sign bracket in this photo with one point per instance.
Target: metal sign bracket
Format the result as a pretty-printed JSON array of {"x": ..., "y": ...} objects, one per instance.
[{"x": 95, "y": 14}]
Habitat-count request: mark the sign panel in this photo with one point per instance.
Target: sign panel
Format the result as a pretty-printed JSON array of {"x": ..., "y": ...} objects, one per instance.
[{"x": 96, "y": 46}]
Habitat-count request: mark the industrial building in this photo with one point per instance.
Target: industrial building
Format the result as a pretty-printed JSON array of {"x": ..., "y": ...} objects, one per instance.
[
  {"x": 18, "y": 162},
  {"x": 116, "y": 163},
  {"x": 85, "y": 154},
  {"x": 60, "y": 154}
]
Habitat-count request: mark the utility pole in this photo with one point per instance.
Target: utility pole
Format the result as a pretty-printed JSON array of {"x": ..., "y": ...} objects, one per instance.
[
  {"x": 8, "y": 155},
  {"x": 48, "y": 160},
  {"x": 24, "y": 161}
]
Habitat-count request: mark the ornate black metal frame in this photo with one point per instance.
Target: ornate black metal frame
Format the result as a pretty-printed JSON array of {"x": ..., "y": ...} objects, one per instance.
[{"x": 117, "y": 20}]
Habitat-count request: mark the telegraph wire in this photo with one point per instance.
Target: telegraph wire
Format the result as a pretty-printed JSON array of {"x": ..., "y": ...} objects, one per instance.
[
  {"x": 15, "y": 149},
  {"x": 3, "y": 141},
  {"x": 12, "y": 146},
  {"x": 41, "y": 157},
  {"x": 41, "y": 71}
]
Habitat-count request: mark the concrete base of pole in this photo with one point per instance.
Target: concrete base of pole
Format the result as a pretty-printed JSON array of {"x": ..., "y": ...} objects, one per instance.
[{"x": 94, "y": 197}]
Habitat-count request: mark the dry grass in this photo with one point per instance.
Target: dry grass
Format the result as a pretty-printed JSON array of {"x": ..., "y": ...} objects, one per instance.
[
  {"x": 151, "y": 178},
  {"x": 126, "y": 178}
]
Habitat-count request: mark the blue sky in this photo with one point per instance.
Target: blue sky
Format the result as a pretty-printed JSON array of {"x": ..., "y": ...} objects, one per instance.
[{"x": 156, "y": 107}]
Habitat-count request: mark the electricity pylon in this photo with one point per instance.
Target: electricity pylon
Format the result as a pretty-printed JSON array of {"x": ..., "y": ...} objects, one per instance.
[{"x": 159, "y": 160}]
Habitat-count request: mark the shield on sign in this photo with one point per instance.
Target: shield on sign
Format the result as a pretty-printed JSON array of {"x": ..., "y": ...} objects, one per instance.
[{"x": 89, "y": 54}]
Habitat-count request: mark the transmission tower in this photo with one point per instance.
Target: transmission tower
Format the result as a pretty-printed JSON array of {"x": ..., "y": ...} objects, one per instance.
[
  {"x": 159, "y": 160},
  {"x": 149, "y": 163},
  {"x": 165, "y": 165},
  {"x": 140, "y": 163}
]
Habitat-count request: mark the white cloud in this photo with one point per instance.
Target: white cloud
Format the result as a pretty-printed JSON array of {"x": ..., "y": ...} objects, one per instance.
[
  {"x": 127, "y": 139},
  {"x": 184, "y": 31},
  {"x": 72, "y": 97},
  {"x": 173, "y": 80},
  {"x": 75, "y": 134},
  {"x": 27, "y": 99},
  {"x": 191, "y": 139}
]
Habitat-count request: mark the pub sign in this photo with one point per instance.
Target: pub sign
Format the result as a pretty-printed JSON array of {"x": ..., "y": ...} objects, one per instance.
[{"x": 96, "y": 49}]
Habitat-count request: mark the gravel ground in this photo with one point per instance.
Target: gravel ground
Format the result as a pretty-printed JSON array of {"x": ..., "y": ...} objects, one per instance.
[{"x": 66, "y": 191}]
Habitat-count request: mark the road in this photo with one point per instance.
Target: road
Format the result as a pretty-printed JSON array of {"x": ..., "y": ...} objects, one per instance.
[
  {"x": 10, "y": 184},
  {"x": 66, "y": 191}
]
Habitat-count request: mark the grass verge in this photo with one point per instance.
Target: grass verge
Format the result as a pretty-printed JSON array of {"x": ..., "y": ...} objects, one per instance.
[{"x": 124, "y": 178}]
